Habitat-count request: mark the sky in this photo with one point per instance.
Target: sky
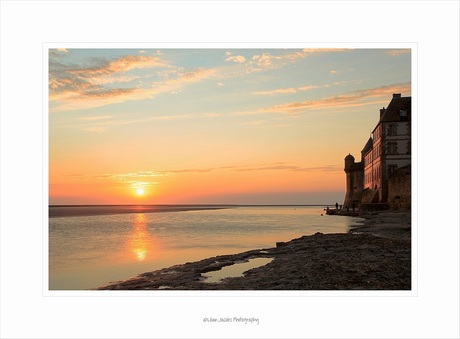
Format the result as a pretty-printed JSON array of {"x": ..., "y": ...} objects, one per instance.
[{"x": 223, "y": 126}]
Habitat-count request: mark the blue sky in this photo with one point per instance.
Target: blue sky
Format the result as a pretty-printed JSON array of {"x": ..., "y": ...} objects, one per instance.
[{"x": 214, "y": 116}]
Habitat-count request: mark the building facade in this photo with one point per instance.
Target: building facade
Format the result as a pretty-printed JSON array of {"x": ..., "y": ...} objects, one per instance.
[{"x": 387, "y": 150}]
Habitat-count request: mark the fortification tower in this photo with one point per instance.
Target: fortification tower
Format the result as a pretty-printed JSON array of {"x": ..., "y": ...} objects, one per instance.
[
  {"x": 354, "y": 181},
  {"x": 349, "y": 161}
]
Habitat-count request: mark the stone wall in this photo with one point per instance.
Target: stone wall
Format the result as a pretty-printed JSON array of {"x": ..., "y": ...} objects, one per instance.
[
  {"x": 399, "y": 189},
  {"x": 370, "y": 196},
  {"x": 355, "y": 181}
]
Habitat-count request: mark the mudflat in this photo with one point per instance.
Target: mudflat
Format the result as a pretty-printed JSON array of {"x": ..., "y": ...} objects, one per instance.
[{"x": 373, "y": 256}]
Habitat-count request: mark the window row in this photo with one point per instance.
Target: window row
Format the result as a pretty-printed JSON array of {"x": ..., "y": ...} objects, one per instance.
[
  {"x": 392, "y": 129},
  {"x": 373, "y": 175},
  {"x": 390, "y": 149},
  {"x": 377, "y": 134},
  {"x": 374, "y": 154}
]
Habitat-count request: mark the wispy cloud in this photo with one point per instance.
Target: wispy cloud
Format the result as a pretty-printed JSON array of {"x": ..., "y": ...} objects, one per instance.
[
  {"x": 356, "y": 98},
  {"x": 239, "y": 168},
  {"x": 286, "y": 90},
  {"x": 307, "y": 88},
  {"x": 234, "y": 58},
  {"x": 277, "y": 166},
  {"x": 255, "y": 123},
  {"x": 107, "y": 82},
  {"x": 80, "y": 98},
  {"x": 100, "y": 117},
  {"x": 306, "y": 52},
  {"x": 267, "y": 61},
  {"x": 131, "y": 179},
  {"x": 298, "y": 89},
  {"x": 151, "y": 178},
  {"x": 265, "y": 124},
  {"x": 196, "y": 75},
  {"x": 57, "y": 53},
  {"x": 398, "y": 52},
  {"x": 277, "y": 91},
  {"x": 109, "y": 79},
  {"x": 190, "y": 170},
  {"x": 100, "y": 82},
  {"x": 122, "y": 64},
  {"x": 72, "y": 86},
  {"x": 103, "y": 123},
  {"x": 139, "y": 174},
  {"x": 285, "y": 167},
  {"x": 95, "y": 129}
]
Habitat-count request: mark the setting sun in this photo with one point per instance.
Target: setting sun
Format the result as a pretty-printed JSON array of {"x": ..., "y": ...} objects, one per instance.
[{"x": 242, "y": 126}]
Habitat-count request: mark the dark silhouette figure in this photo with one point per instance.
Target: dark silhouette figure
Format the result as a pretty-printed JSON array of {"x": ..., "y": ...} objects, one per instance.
[{"x": 336, "y": 206}]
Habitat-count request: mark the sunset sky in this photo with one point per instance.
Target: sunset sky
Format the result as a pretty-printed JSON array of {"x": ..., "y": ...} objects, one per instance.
[{"x": 237, "y": 126}]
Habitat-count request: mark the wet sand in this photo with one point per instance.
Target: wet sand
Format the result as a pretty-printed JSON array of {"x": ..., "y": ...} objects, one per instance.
[
  {"x": 93, "y": 210},
  {"x": 372, "y": 256}
]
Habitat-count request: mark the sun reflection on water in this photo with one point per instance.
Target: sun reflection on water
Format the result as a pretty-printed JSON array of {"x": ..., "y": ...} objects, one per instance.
[{"x": 140, "y": 242}]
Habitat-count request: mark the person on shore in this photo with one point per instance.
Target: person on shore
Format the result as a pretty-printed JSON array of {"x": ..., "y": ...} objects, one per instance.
[{"x": 336, "y": 206}]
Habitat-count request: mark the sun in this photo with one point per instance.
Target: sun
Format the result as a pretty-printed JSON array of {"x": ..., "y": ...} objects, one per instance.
[{"x": 140, "y": 191}]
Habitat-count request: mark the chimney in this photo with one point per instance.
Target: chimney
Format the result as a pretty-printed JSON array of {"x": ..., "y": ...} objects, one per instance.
[
  {"x": 396, "y": 95},
  {"x": 382, "y": 111}
]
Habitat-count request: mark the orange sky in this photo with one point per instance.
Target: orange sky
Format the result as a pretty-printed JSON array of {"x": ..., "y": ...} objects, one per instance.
[{"x": 213, "y": 125}]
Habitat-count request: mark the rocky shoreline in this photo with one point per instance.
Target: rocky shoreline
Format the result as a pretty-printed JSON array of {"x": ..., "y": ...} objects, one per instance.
[{"x": 372, "y": 256}]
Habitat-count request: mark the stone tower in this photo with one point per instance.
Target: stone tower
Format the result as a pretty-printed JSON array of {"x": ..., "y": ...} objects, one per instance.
[{"x": 354, "y": 181}]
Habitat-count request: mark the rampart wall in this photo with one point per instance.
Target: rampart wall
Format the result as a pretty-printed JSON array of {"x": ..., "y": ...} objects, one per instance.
[{"x": 399, "y": 189}]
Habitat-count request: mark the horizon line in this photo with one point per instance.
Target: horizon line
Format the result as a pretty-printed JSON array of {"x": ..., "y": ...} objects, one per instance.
[{"x": 182, "y": 204}]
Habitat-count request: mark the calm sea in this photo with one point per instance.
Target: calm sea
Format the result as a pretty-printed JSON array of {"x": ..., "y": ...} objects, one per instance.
[{"x": 90, "y": 246}]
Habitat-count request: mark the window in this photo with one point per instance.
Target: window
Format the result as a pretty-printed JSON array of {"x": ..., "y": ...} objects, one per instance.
[
  {"x": 392, "y": 129},
  {"x": 403, "y": 114},
  {"x": 392, "y": 148}
]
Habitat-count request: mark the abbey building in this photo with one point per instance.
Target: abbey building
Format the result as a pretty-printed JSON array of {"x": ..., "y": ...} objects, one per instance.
[{"x": 382, "y": 178}]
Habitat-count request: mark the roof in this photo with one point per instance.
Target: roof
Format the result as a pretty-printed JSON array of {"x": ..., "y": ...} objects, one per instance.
[
  {"x": 399, "y": 109},
  {"x": 350, "y": 157},
  {"x": 368, "y": 146}
]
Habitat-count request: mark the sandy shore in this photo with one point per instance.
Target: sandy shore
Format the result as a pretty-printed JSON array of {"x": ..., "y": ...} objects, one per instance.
[{"x": 372, "y": 256}]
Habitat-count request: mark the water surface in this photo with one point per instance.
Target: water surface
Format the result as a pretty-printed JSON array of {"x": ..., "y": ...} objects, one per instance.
[{"x": 88, "y": 251}]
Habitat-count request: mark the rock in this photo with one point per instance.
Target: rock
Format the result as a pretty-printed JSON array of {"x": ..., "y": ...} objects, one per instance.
[{"x": 378, "y": 258}]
